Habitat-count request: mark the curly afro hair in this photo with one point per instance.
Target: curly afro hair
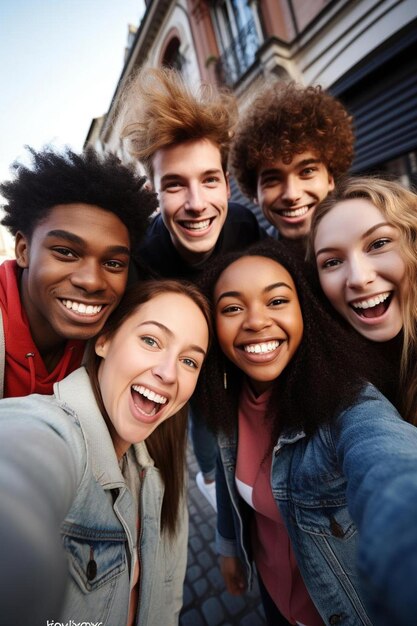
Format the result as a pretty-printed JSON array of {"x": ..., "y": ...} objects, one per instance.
[
  {"x": 286, "y": 119},
  {"x": 68, "y": 178}
]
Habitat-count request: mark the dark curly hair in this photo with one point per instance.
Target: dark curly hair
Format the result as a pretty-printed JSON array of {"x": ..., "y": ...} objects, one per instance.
[
  {"x": 65, "y": 178},
  {"x": 324, "y": 377},
  {"x": 285, "y": 119}
]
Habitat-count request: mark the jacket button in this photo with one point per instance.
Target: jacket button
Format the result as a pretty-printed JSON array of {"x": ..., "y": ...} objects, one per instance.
[
  {"x": 91, "y": 569},
  {"x": 335, "y": 619},
  {"x": 337, "y": 531}
]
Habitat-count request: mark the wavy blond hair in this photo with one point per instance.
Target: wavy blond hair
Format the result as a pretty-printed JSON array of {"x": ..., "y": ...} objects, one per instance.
[
  {"x": 399, "y": 207},
  {"x": 158, "y": 109}
]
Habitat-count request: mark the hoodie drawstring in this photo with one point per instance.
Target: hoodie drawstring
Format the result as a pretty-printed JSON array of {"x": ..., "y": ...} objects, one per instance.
[{"x": 30, "y": 356}]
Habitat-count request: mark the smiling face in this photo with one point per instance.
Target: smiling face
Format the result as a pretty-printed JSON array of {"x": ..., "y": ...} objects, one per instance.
[
  {"x": 150, "y": 366},
  {"x": 74, "y": 272},
  {"x": 193, "y": 193},
  {"x": 288, "y": 194},
  {"x": 360, "y": 267},
  {"x": 258, "y": 318}
]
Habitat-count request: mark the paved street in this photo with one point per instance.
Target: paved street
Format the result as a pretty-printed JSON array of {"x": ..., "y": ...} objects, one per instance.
[{"x": 206, "y": 602}]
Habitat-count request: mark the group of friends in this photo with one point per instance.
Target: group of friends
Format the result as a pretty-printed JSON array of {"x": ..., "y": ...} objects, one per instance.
[{"x": 138, "y": 303}]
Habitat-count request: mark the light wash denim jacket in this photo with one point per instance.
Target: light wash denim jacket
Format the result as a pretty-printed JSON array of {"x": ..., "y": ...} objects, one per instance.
[
  {"x": 101, "y": 521},
  {"x": 358, "y": 474}
]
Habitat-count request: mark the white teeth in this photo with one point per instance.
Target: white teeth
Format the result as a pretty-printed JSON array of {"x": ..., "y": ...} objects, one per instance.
[
  {"x": 196, "y": 225},
  {"x": 371, "y": 302},
  {"x": 295, "y": 212},
  {"x": 151, "y": 395},
  {"x": 82, "y": 308},
  {"x": 262, "y": 348}
]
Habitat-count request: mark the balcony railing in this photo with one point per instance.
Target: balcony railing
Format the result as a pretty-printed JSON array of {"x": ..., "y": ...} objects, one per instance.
[{"x": 239, "y": 56}]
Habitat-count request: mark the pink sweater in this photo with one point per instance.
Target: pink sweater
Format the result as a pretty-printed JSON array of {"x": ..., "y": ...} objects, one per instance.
[{"x": 273, "y": 554}]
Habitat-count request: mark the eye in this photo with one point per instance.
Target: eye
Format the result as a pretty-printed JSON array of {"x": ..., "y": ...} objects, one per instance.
[
  {"x": 379, "y": 243},
  {"x": 212, "y": 180},
  {"x": 270, "y": 181},
  {"x": 149, "y": 341},
  {"x": 172, "y": 185},
  {"x": 308, "y": 171},
  {"x": 190, "y": 363},
  {"x": 330, "y": 263},
  {"x": 231, "y": 308},
  {"x": 278, "y": 301},
  {"x": 113, "y": 264},
  {"x": 65, "y": 252}
]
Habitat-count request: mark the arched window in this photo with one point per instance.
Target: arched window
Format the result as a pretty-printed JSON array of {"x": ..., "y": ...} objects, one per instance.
[{"x": 172, "y": 56}]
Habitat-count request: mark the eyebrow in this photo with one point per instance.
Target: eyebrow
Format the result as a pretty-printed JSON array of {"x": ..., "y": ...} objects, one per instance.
[
  {"x": 238, "y": 294},
  {"x": 363, "y": 236},
  {"x": 169, "y": 332},
  {"x": 303, "y": 163},
  {"x": 79, "y": 241},
  {"x": 175, "y": 175}
]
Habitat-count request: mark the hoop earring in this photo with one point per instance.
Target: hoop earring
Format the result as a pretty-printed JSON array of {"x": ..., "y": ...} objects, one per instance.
[{"x": 225, "y": 378}]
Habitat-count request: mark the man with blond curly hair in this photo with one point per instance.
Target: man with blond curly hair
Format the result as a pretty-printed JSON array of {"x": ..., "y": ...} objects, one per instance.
[{"x": 292, "y": 143}]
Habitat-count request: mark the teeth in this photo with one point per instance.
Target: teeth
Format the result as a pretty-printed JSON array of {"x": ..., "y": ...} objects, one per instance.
[
  {"x": 371, "y": 302},
  {"x": 196, "y": 225},
  {"x": 151, "y": 395},
  {"x": 261, "y": 348},
  {"x": 295, "y": 212},
  {"x": 82, "y": 308}
]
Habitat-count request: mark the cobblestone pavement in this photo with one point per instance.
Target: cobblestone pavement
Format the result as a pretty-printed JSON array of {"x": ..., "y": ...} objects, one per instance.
[{"x": 206, "y": 601}]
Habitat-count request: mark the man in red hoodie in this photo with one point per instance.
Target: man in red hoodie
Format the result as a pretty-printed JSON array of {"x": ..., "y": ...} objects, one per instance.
[{"x": 75, "y": 219}]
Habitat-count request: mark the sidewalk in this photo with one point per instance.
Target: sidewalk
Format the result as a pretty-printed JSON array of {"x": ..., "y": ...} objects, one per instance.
[{"x": 206, "y": 601}]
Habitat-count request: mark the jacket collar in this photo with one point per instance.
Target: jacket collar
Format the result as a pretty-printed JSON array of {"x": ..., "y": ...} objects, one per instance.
[{"x": 76, "y": 393}]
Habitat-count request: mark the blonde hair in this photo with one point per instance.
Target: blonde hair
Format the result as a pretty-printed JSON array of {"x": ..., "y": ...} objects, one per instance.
[
  {"x": 399, "y": 206},
  {"x": 158, "y": 109}
]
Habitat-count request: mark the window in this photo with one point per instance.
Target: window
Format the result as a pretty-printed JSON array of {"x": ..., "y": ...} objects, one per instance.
[{"x": 238, "y": 38}]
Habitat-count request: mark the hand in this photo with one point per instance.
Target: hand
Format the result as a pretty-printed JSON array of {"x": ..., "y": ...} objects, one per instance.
[{"x": 234, "y": 574}]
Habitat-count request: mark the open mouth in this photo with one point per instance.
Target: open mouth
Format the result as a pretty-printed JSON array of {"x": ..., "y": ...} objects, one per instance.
[
  {"x": 262, "y": 351},
  {"x": 147, "y": 401},
  {"x": 196, "y": 226},
  {"x": 81, "y": 308},
  {"x": 298, "y": 212},
  {"x": 373, "y": 307},
  {"x": 262, "y": 348}
]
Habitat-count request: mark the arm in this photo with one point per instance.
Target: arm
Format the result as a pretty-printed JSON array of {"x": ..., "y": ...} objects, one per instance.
[
  {"x": 378, "y": 452},
  {"x": 37, "y": 484},
  {"x": 231, "y": 566}
]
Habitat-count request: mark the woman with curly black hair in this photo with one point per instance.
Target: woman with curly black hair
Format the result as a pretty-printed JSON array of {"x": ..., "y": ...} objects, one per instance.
[{"x": 314, "y": 461}]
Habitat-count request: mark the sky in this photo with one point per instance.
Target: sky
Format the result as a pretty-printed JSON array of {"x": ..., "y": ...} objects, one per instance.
[{"x": 60, "y": 61}]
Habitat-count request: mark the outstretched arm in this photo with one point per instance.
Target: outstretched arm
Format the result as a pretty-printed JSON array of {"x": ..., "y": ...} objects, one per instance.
[
  {"x": 378, "y": 451},
  {"x": 37, "y": 485}
]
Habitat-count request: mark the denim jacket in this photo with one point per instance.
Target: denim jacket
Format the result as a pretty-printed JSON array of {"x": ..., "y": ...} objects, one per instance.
[
  {"x": 351, "y": 487},
  {"x": 100, "y": 526}
]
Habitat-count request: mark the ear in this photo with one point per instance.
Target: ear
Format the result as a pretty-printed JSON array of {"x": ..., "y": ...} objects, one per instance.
[
  {"x": 227, "y": 176},
  {"x": 101, "y": 346},
  {"x": 22, "y": 249},
  {"x": 331, "y": 183}
]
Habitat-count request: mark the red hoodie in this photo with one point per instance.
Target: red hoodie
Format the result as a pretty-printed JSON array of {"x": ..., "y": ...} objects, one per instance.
[{"x": 25, "y": 371}]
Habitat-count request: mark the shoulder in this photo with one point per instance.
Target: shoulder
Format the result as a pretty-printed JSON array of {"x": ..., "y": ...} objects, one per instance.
[
  {"x": 240, "y": 229},
  {"x": 373, "y": 420}
]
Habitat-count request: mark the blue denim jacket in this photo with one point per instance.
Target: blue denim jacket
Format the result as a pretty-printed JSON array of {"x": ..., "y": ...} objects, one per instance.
[
  {"x": 358, "y": 474},
  {"x": 100, "y": 524}
]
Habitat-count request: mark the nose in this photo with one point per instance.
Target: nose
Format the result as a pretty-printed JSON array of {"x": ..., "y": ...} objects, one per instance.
[
  {"x": 166, "y": 369},
  {"x": 257, "y": 318},
  {"x": 360, "y": 272},
  {"x": 195, "y": 201},
  {"x": 291, "y": 191},
  {"x": 89, "y": 276}
]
